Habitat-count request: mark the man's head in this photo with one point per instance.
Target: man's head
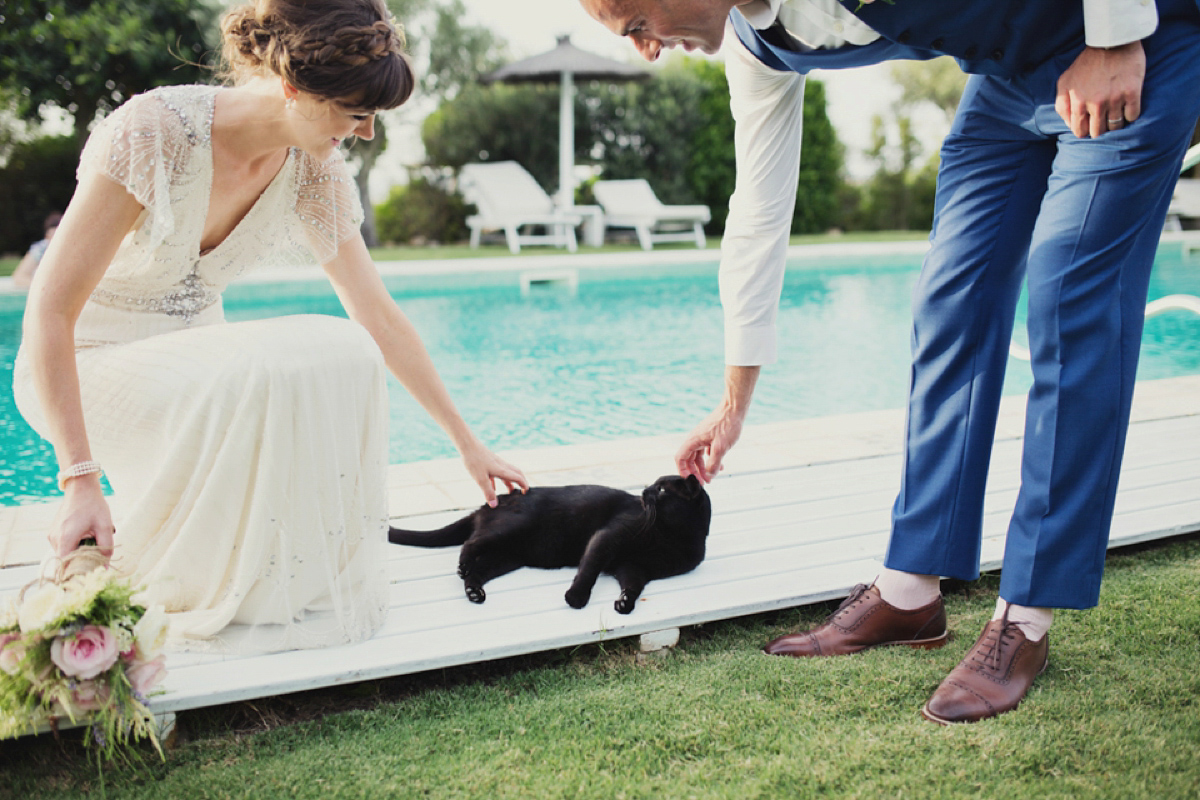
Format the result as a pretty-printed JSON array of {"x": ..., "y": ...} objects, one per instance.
[{"x": 655, "y": 25}]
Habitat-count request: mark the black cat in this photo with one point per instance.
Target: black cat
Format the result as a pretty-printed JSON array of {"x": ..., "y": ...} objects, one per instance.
[{"x": 595, "y": 528}]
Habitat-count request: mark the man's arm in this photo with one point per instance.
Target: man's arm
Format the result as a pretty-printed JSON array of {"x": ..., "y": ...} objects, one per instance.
[
  {"x": 1112, "y": 23},
  {"x": 767, "y": 107},
  {"x": 768, "y": 112},
  {"x": 704, "y": 449},
  {"x": 1102, "y": 90}
]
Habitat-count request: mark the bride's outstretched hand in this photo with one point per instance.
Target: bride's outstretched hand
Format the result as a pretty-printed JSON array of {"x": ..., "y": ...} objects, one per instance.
[
  {"x": 485, "y": 467},
  {"x": 84, "y": 514}
]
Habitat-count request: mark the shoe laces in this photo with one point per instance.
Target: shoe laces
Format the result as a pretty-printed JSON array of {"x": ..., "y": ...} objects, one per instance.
[
  {"x": 855, "y": 595},
  {"x": 990, "y": 653}
]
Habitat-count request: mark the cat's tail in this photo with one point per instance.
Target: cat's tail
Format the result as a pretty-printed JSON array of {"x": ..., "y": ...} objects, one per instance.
[{"x": 453, "y": 534}]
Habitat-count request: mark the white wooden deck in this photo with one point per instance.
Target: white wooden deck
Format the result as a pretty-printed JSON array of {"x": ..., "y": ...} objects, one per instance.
[{"x": 800, "y": 516}]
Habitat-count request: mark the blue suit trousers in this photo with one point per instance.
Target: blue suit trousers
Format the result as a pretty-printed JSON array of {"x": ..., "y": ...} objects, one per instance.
[{"x": 1020, "y": 198}]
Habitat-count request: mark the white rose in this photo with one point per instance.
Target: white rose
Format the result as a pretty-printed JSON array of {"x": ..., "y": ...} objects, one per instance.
[
  {"x": 151, "y": 632},
  {"x": 8, "y": 613},
  {"x": 41, "y": 607}
]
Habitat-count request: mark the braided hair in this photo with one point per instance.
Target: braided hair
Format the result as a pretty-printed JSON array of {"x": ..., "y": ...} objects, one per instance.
[{"x": 335, "y": 49}]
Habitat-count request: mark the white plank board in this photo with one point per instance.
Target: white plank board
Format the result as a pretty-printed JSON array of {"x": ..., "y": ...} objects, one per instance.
[
  {"x": 790, "y": 533},
  {"x": 780, "y": 539}
]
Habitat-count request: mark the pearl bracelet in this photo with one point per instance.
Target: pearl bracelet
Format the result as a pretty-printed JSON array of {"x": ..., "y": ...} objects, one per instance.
[{"x": 77, "y": 471}]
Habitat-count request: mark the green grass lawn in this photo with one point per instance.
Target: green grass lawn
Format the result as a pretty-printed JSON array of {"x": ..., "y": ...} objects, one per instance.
[
  {"x": 7, "y": 265},
  {"x": 1115, "y": 716}
]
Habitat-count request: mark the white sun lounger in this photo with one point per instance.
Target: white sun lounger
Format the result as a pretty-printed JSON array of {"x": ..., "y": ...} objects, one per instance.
[
  {"x": 633, "y": 204},
  {"x": 509, "y": 199}
]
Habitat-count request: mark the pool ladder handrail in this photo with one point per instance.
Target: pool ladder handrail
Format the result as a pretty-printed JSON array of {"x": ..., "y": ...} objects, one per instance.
[
  {"x": 1172, "y": 302},
  {"x": 1191, "y": 158}
]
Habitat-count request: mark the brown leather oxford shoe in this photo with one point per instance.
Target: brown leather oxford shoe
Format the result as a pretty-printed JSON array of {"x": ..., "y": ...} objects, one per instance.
[
  {"x": 863, "y": 621},
  {"x": 993, "y": 677}
]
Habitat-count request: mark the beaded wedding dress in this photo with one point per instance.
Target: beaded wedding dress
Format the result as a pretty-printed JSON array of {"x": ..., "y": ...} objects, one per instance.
[{"x": 248, "y": 460}]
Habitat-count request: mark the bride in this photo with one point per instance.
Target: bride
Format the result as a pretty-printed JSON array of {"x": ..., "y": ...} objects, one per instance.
[{"x": 248, "y": 460}]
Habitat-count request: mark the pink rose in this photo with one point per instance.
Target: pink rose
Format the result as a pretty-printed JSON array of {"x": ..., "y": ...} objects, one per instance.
[
  {"x": 11, "y": 652},
  {"x": 146, "y": 675},
  {"x": 86, "y": 654}
]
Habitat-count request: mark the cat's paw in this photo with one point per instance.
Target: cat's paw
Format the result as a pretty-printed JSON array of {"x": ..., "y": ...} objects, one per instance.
[
  {"x": 468, "y": 560},
  {"x": 625, "y": 604},
  {"x": 577, "y": 598},
  {"x": 476, "y": 594}
]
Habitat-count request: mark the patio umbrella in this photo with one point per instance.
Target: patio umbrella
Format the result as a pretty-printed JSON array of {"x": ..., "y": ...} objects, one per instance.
[{"x": 564, "y": 64}]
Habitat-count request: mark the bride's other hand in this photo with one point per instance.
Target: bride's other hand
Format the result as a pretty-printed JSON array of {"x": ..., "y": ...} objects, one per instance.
[
  {"x": 485, "y": 467},
  {"x": 84, "y": 514}
]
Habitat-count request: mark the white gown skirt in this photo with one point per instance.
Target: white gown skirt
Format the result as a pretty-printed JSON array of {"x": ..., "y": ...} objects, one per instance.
[{"x": 248, "y": 463}]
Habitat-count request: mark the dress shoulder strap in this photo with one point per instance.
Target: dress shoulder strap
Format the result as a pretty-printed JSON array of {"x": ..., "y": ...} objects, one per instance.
[
  {"x": 148, "y": 144},
  {"x": 327, "y": 203}
]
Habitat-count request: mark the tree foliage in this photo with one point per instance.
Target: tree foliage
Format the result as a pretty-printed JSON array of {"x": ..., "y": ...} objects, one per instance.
[
  {"x": 88, "y": 56},
  {"x": 939, "y": 82},
  {"x": 447, "y": 55},
  {"x": 422, "y": 210},
  {"x": 458, "y": 54},
  {"x": 501, "y": 123},
  {"x": 899, "y": 196},
  {"x": 649, "y": 129},
  {"x": 822, "y": 157},
  {"x": 37, "y": 178},
  {"x": 711, "y": 167},
  {"x": 675, "y": 130}
]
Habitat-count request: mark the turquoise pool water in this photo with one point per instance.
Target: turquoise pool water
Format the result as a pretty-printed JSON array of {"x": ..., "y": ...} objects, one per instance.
[{"x": 631, "y": 353}]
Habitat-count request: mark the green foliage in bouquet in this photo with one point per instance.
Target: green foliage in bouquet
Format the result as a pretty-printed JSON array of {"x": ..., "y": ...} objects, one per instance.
[{"x": 84, "y": 649}]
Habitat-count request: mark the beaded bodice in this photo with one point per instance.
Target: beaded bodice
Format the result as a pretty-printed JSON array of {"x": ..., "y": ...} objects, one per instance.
[{"x": 158, "y": 146}]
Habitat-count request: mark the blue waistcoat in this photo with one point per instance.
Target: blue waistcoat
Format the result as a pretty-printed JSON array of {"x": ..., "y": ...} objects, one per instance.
[{"x": 989, "y": 37}]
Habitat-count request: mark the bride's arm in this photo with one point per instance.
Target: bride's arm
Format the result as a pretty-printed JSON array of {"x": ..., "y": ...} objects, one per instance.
[
  {"x": 368, "y": 303},
  {"x": 99, "y": 215}
]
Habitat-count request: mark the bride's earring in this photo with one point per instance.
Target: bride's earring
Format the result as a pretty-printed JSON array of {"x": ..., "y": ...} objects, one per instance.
[{"x": 290, "y": 104}]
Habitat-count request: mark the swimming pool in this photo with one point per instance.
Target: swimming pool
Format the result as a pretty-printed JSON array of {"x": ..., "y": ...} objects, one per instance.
[{"x": 631, "y": 352}]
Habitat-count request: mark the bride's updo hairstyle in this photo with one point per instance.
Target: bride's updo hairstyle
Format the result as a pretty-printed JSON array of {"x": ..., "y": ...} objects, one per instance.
[{"x": 334, "y": 49}]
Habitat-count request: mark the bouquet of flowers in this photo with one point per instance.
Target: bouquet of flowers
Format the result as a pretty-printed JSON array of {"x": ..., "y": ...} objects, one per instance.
[{"x": 80, "y": 646}]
